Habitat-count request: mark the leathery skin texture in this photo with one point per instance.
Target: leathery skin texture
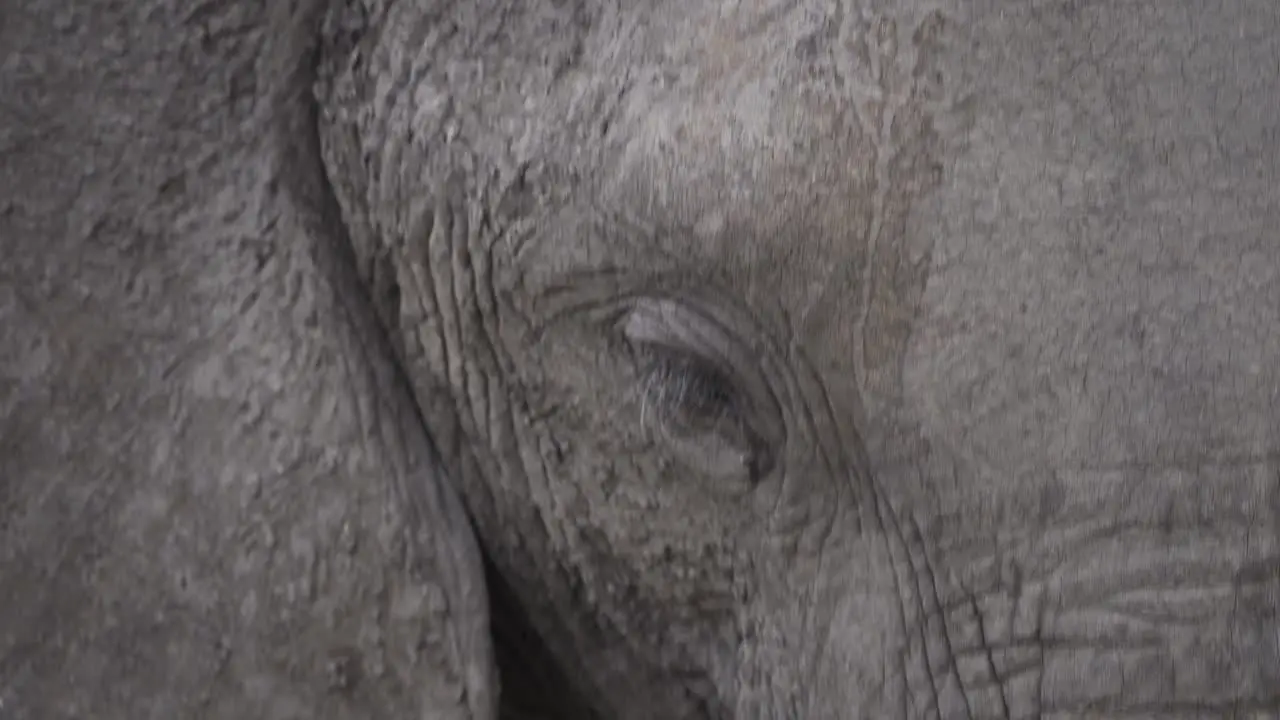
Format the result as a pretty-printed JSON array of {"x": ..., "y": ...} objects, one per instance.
[{"x": 675, "y": 359}]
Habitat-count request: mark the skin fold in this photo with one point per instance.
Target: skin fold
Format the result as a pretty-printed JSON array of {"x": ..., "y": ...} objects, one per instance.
[{"x": 675, "y": 359}]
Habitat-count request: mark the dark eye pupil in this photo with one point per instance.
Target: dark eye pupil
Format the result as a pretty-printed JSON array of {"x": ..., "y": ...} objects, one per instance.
[
  {"x": 693, "y": 399},
  {"x": 691, "y": 393},
  {"x": 705, "y": 392}
]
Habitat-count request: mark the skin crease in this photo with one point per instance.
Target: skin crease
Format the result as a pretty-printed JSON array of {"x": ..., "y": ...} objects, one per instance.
[{"x": 780, "y": 360}]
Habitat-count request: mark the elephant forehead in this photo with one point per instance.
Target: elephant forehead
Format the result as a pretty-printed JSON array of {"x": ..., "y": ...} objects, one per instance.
[
  {"x": 729, "y": 124},
  {"x": 757, "y": 170},
  {"x": 782, "y": 137}
]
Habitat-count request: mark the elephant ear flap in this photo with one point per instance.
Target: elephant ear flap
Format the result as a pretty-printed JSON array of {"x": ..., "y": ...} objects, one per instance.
[
  {"x": 451, "y": 649},
  {"x": 453, "y": 665},
  {"x": 448, "y": 556},
  {"x": 457, "y": 659}
]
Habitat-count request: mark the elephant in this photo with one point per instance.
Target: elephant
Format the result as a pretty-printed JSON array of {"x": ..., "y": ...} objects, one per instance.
[{"x": 671, "y": 359}]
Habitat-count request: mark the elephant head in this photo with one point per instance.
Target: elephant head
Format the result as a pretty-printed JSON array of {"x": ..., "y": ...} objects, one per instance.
[
  {"x": 797, "y": 359},
  {"x": 836, "y": 359}
]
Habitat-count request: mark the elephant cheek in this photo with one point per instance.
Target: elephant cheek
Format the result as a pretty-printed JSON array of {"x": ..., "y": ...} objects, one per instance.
[
  {"x": 1131, "y": 621},
  {"x": 865, "y": 670},
  {"x": 1171, "y": 624},
  {"x": 832, "y": 641},
  {"x": 886, "y": 650}
]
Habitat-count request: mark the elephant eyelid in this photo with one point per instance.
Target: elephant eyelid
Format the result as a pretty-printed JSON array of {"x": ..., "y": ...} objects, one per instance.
[
  {"x": 677, "y": 381},
  {"x": 668, "y": 323}
]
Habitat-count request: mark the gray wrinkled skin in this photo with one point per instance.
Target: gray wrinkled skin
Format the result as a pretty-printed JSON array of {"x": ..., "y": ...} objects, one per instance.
[{"x": 794, "y": 359}]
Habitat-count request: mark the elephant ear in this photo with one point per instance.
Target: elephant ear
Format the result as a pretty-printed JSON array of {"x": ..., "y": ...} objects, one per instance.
[
  {"x": 447, "y": 660},
  {"x": 440, "y": 602},
  {"x": 456, "y": 656}
]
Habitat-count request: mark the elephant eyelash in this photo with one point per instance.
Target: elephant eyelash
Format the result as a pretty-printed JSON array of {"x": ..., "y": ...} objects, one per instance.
[
  {"x": 688, "y": 392},
  {"x": 693, "y": 401},
  {"x": 691, "y": 398},
  {"x": 689, "y": 395}
]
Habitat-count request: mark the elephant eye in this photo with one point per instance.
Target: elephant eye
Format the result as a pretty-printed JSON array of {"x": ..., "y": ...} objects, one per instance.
[
  {"x": 698, "y": 409},
  {"x": 690, "y": 396}
]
